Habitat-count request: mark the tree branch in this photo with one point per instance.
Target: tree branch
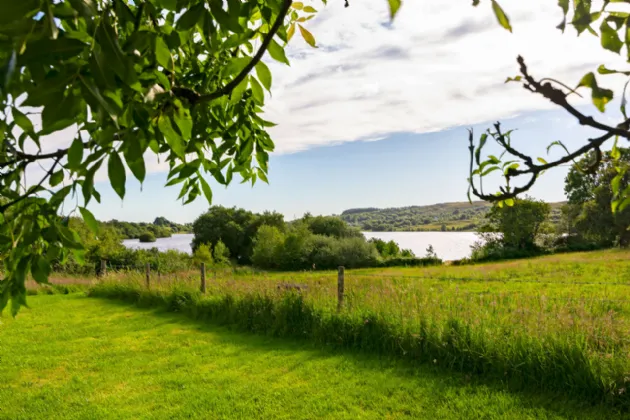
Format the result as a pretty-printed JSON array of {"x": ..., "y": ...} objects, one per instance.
[
  {"x": 32, "y": 189},
  {"x": 194, "y": 98},
  {"x": 558, "y": 97}
]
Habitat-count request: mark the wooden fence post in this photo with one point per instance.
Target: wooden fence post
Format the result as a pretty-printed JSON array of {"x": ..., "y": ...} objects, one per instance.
[
  {"x": 203, "y": 278},
  {"x": 147, "y": 270},
  {"x": 340, "y": 287},
  {"x": 103, "y": 268}
]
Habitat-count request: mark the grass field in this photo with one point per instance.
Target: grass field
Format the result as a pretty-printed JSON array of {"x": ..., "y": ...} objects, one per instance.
[
  {"x": 75, "y": 357},
  {"x": 558, "y": 323}
]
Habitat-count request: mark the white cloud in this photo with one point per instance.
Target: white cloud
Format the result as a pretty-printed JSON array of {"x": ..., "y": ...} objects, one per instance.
[{"x": 439, "y": 64}]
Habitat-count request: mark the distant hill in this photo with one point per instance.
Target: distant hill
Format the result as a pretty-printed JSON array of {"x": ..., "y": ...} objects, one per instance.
[{"x": 460, "y": 216}]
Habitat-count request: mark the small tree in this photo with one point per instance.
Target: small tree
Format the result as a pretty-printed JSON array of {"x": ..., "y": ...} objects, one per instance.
[
  {"x": 519, "y": 224},
  {"x": 203, "y": 255},
  {"x": 268, "y": 245},
  {"x": 221, "y": 254}
]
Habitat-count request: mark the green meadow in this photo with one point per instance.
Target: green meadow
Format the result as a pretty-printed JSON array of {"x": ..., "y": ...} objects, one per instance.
[{"x": 79, "y": 358}]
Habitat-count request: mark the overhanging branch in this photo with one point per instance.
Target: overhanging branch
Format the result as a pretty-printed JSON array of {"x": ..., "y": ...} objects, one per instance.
[{"x": 195, "y": 98}]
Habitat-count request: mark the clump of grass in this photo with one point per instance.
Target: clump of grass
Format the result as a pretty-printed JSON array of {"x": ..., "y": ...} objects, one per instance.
[{"x": 570, "y": 339}]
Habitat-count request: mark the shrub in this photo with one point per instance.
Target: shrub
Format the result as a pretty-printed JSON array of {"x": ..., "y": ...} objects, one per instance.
[
  {"x": 221, "y": 254},
  {"x": 147, "y": 237},
  {"x": 203, "y": 255},
  {"x": 410, "y": 262},
  {"x": 268, "y": 245}
]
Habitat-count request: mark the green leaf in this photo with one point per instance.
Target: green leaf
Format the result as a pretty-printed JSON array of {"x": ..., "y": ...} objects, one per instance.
[
  {"x": 262, "y": 176},
  {"x": 163, "y": 54},
  {"x": 173, "y": 139},
  {"x": 75, "y": 154},
  {"x": 602, "y": 69},
  {"x": 62, "y": 114},
  {"x": 277, "y": 52},
  {"x": 184, "y": 123},
  {"x": 609, "y": 38},
  {"x": 543, "y": 161},
  {"x": 90, "y": 89},
  {"x": 557, "y": 143},
  {"x": 257, "y": 91},
  {"x": 297, "y": 5},
  {"x": 207, "y": 191},
  {"x": 226, "y": 20},
  {"x": 50, "y": 21},
  {"x": 308, "y": 37},
  {"x": 490, "y": 170},
  {"x": 191, "y": 17},
  {"x": 513, "y": 79},
  {"x": 22, "y": 121},
  {"x": 56, "y": 178},
  {"x": 115, "y": 58},
  {"x": 599, "y": 96},
  {"x": 117, "y": 175},
  {"x": 309, "y": 9},
  {"x": 168, "y": 4},
  {"x": 264, "y": 75},
  {"x": 482, "y": 142},
  {"x": 89, "y": 220},
  {"x": 501, "y": 16},
  {"x": 394, "y": 5},
  {"x": 13, "y": 10},
  {"x": 137, "y": 167}
]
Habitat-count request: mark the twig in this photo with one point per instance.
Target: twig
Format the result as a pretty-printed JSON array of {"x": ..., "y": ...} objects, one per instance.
[{"x": 558, "y": 97}]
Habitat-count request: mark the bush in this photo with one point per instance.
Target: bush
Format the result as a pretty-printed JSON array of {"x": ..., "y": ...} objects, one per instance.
[
  {"x": 268, "y": 245},
  {"x": 410, "y": 262},
  {"x": 495, "y": 250},
  {"x": 300, "y": 249},
  {"x": 203, "y": 255},
  {"x": 221, "y": 254},
  {"x": 147, "y": 237}
]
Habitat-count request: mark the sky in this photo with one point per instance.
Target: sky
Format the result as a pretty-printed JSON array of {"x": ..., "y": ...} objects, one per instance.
[{"x": 376, "y": 116}]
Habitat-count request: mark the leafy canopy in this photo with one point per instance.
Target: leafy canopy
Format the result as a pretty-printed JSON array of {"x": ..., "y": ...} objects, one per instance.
[{"x": 182, "y": 79}]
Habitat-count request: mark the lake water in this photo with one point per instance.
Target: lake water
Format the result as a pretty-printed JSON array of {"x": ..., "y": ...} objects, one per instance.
[{"x": 447, "y": 245}]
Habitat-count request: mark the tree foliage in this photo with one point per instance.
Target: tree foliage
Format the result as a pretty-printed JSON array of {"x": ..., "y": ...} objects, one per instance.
[
  {"x": 519, "y": 224},
  {"x": 235, "y": 228},
  {"x": 587, "y": 214},
  {"x": 608, "y": 20},
  {"x": 182, "y": 79}
]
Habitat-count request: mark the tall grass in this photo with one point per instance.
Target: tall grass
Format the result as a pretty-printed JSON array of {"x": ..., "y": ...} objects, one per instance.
[{"x": 569, "y": 338}]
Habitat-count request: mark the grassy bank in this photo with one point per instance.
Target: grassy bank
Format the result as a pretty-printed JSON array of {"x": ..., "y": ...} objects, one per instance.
[
  {"x": 73, "y": 357},
  {"x": 558, "y": 323}
]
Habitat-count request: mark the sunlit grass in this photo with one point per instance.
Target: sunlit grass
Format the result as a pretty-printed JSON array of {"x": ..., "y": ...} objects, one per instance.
[
  {"x": 559, "y": 322},
  {"x": 70, "y": 357}
]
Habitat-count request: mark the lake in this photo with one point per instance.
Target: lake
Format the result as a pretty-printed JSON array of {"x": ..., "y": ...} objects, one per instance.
[{"x": 447, "y": 245}]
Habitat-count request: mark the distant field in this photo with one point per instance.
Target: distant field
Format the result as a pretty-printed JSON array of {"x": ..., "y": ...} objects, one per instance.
[
  {"x": 458, "y": 216},
  {"x": 71, "y": 357}
]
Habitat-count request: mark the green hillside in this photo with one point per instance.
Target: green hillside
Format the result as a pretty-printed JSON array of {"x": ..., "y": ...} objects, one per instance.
[{"x": 460, "y": 216}]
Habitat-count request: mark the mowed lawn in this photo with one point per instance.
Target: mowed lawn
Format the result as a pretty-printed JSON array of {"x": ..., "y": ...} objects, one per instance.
[{"x": 76, "y": 357}]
